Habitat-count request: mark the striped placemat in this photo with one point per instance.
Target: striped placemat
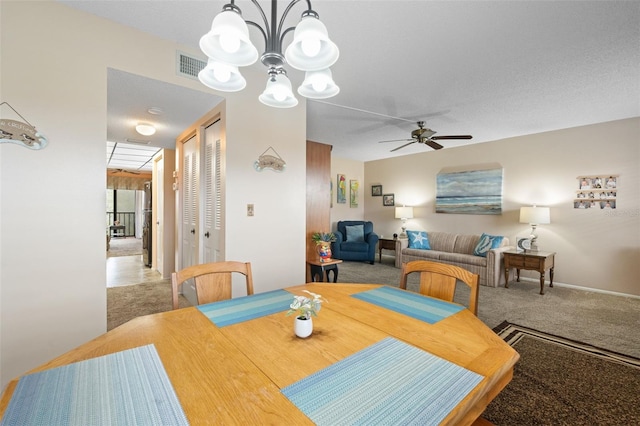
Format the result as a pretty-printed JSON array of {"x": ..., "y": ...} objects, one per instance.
[
  {"x": 125, "y": 388},
  {"x": 408, "y": 303},
  {"x": 390, "y": 382},
  {"x": 245, "y": 308}
]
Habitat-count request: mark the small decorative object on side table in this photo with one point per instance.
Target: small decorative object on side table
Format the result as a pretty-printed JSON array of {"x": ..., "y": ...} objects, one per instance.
[{"x": 530, "y": 260}]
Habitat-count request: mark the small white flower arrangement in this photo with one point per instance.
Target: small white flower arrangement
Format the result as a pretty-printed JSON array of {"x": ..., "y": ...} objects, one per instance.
[{"x": 305, "y": 307}]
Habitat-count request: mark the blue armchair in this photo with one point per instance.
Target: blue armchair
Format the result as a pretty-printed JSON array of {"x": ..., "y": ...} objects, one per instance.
[{"x": 355, "y": 240}]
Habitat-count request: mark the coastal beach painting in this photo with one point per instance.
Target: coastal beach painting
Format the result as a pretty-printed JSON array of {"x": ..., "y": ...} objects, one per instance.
[{"x": 470, "y": 192}]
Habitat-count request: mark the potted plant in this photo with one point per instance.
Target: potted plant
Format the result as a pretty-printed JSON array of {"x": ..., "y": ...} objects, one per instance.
[
  {"x": 323, "y": 242},
  {"x": 305, "y": 308}
]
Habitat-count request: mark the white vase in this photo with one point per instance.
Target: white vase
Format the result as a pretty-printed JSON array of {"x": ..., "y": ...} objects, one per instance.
[{"x": 303, "y": 327}]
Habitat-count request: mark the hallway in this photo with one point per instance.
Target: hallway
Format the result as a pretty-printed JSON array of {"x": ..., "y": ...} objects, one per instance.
[{"x": 128, "y": 269}]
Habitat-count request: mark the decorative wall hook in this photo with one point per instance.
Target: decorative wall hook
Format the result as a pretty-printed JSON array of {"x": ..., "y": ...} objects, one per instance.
[
  {"x": 275, "y": 163},
  {"x": 12, "y": 131}
]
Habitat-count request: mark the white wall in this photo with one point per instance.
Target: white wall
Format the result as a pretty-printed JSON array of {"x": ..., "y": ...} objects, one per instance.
[
  {"x": 597, "y": 249},
  {"x": 352, "y": 170},
  {"x": 52, "y": 258}
]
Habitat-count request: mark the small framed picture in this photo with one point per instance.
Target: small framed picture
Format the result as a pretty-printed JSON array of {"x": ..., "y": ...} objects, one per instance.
[
  {"x": 376, "y": 190},
  {"x": 388, "y": 200},
  {"x": 523, "y": 244}
]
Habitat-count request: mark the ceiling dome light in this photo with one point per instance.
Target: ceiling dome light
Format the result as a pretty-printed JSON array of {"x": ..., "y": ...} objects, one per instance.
[
  {"x": 221, "y": 76},
  {"x": 278, "y": 92},
  {"x": 318, "y": 85},
  {"x": 228, "y": 41},
  {"x": 145, "y": 129},
  {"x": 311, "y": 49}
]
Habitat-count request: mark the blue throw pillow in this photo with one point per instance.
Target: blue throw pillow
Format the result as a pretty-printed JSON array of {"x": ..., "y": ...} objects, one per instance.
[
  {"x": 355, "y": 233},
  {"x": 418, "y": 240},
  {"x": 486, "y": 243}
]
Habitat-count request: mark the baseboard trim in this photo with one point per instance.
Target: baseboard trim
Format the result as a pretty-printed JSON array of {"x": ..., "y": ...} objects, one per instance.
[{"x": 577, "y": 287}]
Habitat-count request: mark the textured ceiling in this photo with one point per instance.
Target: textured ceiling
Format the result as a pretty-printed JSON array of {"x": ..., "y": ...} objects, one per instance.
[{"x": 492, "y": 69}]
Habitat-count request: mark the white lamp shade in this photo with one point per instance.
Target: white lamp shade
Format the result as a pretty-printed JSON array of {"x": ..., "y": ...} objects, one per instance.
[
  {"x": 318, "y": 85},
  {"x": 404, "y": 212},
  {"x": 535, "y": 215},
  {"x": 228, "y": 41},
  {"x": 278, "y": 93},
  {"x": 311, "y": 49},
  {"x": 145, "y": 129},
  {"x": 221, "y": 76}
]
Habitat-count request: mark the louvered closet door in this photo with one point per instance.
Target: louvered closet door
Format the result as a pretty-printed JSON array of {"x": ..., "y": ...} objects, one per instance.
[
  {"x": 212, "y": 247},
  {"x": 189, "y": 204}
]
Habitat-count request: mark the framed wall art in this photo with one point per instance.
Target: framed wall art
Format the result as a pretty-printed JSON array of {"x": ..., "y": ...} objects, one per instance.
[
  {"x": 469, "y": 192},
  {"x": 388, "y": 200},
  {"x": 376, "y": 190},
  {"x": 341, "y": 190},
  {"x": 353, "y": 193},
  {"x": 596, "y": 192}
]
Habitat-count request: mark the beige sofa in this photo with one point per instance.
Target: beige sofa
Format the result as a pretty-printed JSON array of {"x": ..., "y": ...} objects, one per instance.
[{"x": 457, "y": 249}]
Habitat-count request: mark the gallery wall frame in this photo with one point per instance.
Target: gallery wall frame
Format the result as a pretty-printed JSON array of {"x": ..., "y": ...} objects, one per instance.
[
  {"x": 341, "y": 192},
  {"x": 388, "y": 200},
  {"x": 598, "y": 192},
  {"x": 354, "y": 186},
  {"x": 376, "y": 190}
]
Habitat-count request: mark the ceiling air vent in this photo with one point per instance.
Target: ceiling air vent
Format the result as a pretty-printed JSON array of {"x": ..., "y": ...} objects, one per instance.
[{"x": 188, "y": 66}]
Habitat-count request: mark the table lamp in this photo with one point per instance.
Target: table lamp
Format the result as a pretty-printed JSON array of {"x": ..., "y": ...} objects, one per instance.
[
  {"x": 404, "y": 213},
  {"x": 534, "y": 216}
]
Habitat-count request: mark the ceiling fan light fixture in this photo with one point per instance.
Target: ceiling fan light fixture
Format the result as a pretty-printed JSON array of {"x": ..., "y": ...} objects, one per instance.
[
  {"x": 278, "y": 92},
  {"x": 145, "y": 129},
  {"x": 318, "y": 85},
  {"x": 221, "y": 76},
  {"x": 228, "y": 40}
]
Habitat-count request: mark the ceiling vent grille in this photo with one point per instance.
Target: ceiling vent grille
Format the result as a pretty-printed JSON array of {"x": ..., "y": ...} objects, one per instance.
[{"x": 189, "y": 66}]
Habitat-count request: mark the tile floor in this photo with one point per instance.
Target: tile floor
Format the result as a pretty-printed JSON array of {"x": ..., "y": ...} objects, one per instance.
[{"x": 129, "y": 270}]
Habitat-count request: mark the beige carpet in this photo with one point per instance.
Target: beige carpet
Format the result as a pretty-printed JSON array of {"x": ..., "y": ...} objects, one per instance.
[{"x": 128, "y": 302}]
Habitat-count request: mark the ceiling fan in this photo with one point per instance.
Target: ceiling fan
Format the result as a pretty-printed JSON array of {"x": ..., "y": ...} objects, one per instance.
[{"x": 425, "y": 135}]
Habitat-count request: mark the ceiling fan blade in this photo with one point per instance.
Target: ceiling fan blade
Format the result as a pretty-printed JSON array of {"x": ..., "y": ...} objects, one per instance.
[
  {"x": 400, "y": 147},
  {"x": 452, "y": 137},
  {"x": 397, "y": 140},
  {"x": 433, "y": 144}
]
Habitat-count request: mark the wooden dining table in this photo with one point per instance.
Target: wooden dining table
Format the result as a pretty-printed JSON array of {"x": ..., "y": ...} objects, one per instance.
[{"x": 236, "y": 373}]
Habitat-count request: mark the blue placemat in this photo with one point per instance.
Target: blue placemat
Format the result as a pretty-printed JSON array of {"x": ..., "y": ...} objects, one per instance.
[
  {"x": 408, "y": 303},
  {"x": 125, "y": 388},
  {"x": 245, "y": 308},
  {"x": 390, "y": 382}
]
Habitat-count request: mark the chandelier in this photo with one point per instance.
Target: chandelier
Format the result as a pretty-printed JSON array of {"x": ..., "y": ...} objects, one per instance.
[{"x": 228, "y": 47}]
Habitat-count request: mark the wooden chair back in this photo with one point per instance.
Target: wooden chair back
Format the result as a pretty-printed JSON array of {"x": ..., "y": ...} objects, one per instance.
[
  {"x": 439, "y": 280},
  {"x": 213, "y": 280}
]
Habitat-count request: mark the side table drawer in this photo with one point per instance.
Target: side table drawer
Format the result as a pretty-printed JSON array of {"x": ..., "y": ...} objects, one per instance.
[{"x": 524, "y": 262}]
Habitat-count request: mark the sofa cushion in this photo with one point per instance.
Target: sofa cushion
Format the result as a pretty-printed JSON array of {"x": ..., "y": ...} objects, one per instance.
[
  {"x": 355, "y": 233},
  {"x": 361, "y": 247},
  {"x": 414, "y": 254},
  {"x": 442, "y": 241},
  {"x": 486, "y": 243},
  {"x": 418, "y": 240},
  {"x": 465, "y": 244},
  {"x": 463, "y": 259}
]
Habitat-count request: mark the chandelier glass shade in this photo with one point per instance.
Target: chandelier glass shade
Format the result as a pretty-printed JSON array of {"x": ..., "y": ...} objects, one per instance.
[{"x": 228, "y": 46}]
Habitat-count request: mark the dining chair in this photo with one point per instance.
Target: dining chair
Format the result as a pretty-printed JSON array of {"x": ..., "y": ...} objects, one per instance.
[
  {"x": 213, "y": 280},
  {"x": 439, "y": 280}
]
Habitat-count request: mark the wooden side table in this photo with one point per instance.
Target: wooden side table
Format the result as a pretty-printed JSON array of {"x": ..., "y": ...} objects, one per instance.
[
  {"x": 320, "y": 270},
  {"x": 530, "y": 260},
  {"x": 387, "y": 244}
]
